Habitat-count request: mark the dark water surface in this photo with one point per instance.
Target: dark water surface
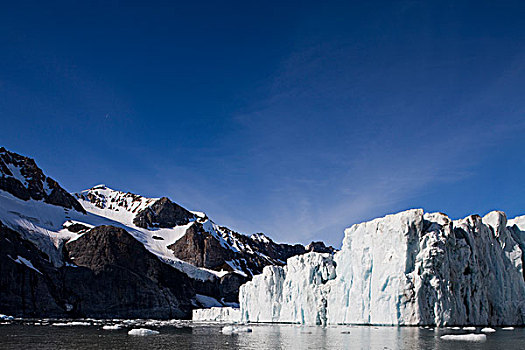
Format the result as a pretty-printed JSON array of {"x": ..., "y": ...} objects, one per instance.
[{"x": 209, "y": 336}]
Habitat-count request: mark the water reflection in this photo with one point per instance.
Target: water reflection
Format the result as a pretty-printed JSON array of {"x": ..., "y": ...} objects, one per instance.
[{"x": 203, "y": 337}]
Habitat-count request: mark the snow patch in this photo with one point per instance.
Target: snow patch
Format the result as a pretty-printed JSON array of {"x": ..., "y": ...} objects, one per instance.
[{"x": 24, "y": 261}]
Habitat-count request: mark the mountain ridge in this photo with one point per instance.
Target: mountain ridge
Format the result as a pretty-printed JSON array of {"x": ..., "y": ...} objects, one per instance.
[{"x": 50, "y": 221}]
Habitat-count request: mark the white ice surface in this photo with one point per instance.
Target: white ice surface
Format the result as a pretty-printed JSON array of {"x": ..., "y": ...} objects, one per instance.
[
  {"x": 24, "y": 261},
  {"x": 217, "y": 314},
  {"x": 465, "y": 337},
  {"x": 408, "y": 268},
  {"x": 228, "y": 330},
  {"x": 112, "y": 327},
  {"x": 142, "y": 332}
]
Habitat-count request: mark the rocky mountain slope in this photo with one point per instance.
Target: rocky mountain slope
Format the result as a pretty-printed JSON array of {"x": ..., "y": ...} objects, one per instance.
[
  {"x": 23, "y": 179},
  {"x": 174, "y": 233},
  {"x": 107, "y": 253},
  {"x": 411, "y": 268}
]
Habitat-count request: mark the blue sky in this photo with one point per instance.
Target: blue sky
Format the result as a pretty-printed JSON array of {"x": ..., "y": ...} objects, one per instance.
[{"x": 296, "y": 119}]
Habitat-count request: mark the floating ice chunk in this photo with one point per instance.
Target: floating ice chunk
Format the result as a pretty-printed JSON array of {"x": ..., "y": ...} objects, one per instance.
[
  {"x": 488, "y": 330},
  {"x": 70, "y": 324},
  {"x": 227, "y": 330},
  {"x": 469, "y": 328},
  {"x": 235, "y": 330},
  {"x": 142, "y": 332},
  {"x": 465, "y": 337},
  {"x": 508, "y": 328},
  {"x": 112, "y": 327}
]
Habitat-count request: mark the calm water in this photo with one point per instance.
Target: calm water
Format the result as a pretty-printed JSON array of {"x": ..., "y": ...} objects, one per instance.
[{"x": 201, "y": 337}]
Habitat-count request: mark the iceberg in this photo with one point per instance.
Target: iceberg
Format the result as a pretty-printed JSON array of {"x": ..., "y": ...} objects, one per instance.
[
  {"x": 6, "y": 318},
  {"x": 488, "y": 330},
  {"x": 465, "y": 337},
  {"x": 409, "y": 268},
  {"x": 142, "y": 332},
  {"x": 112, "y": 327},
  {"x": 228, "y": 330}
]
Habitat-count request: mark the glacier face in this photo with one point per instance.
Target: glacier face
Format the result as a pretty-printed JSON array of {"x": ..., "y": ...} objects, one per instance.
[
  {"x": 410, "y": 268},
  {"x": 294, "y": 293}
]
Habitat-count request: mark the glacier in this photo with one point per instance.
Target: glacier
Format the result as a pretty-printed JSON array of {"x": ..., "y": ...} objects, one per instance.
[{"x": 409, "y": 268}]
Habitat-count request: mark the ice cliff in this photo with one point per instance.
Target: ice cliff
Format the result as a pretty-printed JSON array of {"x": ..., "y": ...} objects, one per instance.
[{"x": 410, "y": 268}]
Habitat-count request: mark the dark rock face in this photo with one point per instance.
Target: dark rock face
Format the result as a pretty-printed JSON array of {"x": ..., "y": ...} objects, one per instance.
[
  {"x": 163, "y": 213},
  {"x": 113, "y": 276},
  {"x": 21, "y": 177},
  {"x": 229, "y": 286},
  {"x": 25, "y": 291},
  {"x": 201, "y": 249},
  {"x": 320, "y": 247},
  {"x": 77, "y": 227},
  {"x": 276, "y": 251},
  {"x": 120, "y": 277}
]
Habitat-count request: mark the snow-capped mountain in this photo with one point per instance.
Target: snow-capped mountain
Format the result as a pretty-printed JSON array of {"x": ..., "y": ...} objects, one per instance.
[
  {"x": 55, "y": 227},
  {"x": 172, "y": 232},
  {"x": 410, "y": 268}
]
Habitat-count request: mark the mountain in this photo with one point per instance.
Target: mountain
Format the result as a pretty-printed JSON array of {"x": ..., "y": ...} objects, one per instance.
[
  {"x": 410, "y": 268},
  {"x": 176, "y": 234},
  {"x": 107, "y": 253},
  {"x": 23, "y": 179}
]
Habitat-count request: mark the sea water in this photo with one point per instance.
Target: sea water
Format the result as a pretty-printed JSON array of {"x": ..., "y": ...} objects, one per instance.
[{"x": 90, "y": 334}]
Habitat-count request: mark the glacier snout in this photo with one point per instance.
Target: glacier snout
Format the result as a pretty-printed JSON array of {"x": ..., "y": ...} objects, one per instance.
[{"x": 410, "y": 268}]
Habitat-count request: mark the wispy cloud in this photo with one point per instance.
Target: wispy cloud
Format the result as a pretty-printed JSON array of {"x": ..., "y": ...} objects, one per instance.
[
  {"x": 382, "y": 168},
  {"x": 321, "y": 152}
]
